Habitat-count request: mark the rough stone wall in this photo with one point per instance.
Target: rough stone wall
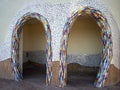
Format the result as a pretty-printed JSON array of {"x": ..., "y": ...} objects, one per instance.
[
  {"x": 40, "y": 57},
  {"x": 35, "y": 56},
  {"x": 85, "y": 60}
]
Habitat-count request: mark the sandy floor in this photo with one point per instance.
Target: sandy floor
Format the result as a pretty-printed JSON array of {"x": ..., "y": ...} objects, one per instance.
[{"x": 34, "y": 80}]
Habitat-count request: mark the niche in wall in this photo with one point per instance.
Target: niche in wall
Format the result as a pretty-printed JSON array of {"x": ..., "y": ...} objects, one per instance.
[
  {"x": 34, "y": 41},
  {"x": 84, "y": 42},
  {"x": 17, "y": 47},
  {"x": 33, "y": 45},
  {"x": 84, "y": 50},
  {"x": 85, "y": 37}
]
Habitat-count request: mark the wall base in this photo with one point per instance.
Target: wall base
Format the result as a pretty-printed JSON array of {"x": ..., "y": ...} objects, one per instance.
[
  {"x": 55, "y": 73},
  {"x": 113, "y": 76},
  {"x": 6, "y": 69},
  {"x": 75, "y": 67},
  {"x": 6, "y": 72}
]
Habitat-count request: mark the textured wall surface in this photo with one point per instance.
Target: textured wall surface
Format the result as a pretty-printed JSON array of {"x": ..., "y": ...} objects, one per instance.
[
  {"x": 13, "y": 6},
  {"x": 40, "y": 57},
  {"x": 35, "y": 56},
  {"x": 85, "y": 60},
  {"x": 56, "y": 15}
]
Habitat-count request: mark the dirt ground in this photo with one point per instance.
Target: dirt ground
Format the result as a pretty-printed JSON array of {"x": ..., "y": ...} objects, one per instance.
[{"x": 34, "y": 80}]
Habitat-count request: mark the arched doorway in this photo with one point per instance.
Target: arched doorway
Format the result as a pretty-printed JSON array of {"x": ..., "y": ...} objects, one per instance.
[
  {"x": 33, "y": 43},
  {"x": 84, "y": 51},
  {"x": 16, "y": 44},
  {"x": 106, "y": 44}
]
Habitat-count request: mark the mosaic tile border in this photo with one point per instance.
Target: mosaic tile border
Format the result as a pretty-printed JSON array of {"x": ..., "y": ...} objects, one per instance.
[
  {"x": 106, "y": 40},
  {"x": 16, "y": 40}
]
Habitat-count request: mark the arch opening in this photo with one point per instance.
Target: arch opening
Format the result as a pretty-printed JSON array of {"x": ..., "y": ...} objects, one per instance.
[
  {"x": 84, "y": 51},
  {"x": 34, "y": 58},
  {"x": 107, "y": 52},
  {"x": 31, "y": 47}
]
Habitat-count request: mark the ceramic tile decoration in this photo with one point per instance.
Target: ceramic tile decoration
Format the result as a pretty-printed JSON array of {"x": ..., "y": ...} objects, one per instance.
[
  {"x": 16, "y": 36},
  {"x": 107, "y": 52}
]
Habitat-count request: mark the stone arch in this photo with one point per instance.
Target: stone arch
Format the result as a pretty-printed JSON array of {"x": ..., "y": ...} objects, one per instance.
[
  {"x": 106, "y": 36},
  {"x": 16, "y": 36}
]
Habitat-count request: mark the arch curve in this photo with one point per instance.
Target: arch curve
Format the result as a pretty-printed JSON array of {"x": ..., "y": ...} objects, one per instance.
[
  {"x": 16, "y": 36},
  {"x": 106, "y": 36}
]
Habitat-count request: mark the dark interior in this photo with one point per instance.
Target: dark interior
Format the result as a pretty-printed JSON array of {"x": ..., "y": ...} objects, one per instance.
[{"x": 81, "y": 75}]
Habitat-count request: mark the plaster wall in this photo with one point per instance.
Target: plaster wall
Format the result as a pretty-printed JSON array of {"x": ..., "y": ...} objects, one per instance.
[
  {"x": 85, "y": 44},
  {"x": 34, "y": 42},
  {"x": 34, "y": 38},
  {"x": 85, "y": 37},
  {"x": 56, "y": 15},
  {"x": 8, "y": 10}
]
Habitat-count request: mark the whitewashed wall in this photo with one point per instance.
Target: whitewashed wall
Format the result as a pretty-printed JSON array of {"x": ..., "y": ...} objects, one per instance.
[{"x": 56, "y": 15}]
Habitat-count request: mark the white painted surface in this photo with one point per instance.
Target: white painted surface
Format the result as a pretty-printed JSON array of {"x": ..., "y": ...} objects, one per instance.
[
  {"x": 56, "y": 15},
  {"x": 9, "y": 8}
]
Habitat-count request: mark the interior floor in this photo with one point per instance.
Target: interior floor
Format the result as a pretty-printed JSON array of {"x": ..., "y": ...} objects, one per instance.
[
  {"x": 80, "y": 75},
  {"x": 36, "y": 84},
  {"x": 34, "y": 72}
]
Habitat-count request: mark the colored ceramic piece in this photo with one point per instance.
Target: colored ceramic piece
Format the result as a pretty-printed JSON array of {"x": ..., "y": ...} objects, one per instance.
[
  {"x": 107, "y": 52},
  {"x": 16, "y": 36}
]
